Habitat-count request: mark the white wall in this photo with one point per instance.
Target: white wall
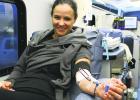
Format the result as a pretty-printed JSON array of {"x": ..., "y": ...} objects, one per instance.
[
  {"x": 104, "y": 19},
  {"x": 84, "y": 8},
  {"x": 38, "y": 15}
]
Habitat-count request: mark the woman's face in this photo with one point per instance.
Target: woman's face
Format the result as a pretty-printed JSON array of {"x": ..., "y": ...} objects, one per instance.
[{"x": 62, "y": 19}]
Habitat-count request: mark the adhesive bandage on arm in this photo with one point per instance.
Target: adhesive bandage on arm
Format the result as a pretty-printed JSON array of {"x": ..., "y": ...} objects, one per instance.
[
  {"x": 86, "y": 82},
  {"x": 85, "y": 74}
]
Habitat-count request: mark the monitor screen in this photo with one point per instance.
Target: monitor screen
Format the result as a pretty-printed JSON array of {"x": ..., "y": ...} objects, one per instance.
[
  {"x": 131, "y": 22},
  {"x": 8, "y": 35}
]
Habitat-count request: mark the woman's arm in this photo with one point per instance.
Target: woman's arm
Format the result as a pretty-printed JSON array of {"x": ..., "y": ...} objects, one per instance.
[
  {"x": 20, "y": 67},
  {"x": 90, "y": 85},
  {"x": 18, "y": 70},
  {"x": 84, "y": 78}
]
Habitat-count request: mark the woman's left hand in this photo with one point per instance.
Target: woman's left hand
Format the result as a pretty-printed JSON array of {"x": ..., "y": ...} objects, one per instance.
[{"x": 116, "y": 89}]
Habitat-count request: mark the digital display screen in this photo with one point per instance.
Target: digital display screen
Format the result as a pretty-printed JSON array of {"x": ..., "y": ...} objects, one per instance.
[
  {"x": 8, "y": 35},
  {"x": 130, "y": 22}
]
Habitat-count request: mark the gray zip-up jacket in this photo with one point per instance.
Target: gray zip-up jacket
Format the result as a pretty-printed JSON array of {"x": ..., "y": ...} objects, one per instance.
[{"x": 38, "y": 46}]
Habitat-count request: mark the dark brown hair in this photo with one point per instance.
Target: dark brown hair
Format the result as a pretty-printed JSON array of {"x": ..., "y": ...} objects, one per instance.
[{"x": 72, "y": 4}]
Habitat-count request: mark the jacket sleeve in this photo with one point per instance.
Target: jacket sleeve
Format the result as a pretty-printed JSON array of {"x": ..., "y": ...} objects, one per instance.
[
  {"x": 20, "y": 67},
  {"x": 84, "y": 52}
]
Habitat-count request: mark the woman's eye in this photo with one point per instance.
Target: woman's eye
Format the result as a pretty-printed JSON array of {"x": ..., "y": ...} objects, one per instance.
[
  {"x": 67, "y": 18},
  {"x": 57, "y": 17}
]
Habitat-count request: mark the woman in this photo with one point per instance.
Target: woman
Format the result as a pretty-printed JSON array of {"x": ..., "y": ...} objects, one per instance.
[{"x": 52, "y": 60}]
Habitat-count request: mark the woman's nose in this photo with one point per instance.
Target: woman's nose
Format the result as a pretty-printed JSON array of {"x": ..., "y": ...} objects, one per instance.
[{"x": 61, "y": 22}]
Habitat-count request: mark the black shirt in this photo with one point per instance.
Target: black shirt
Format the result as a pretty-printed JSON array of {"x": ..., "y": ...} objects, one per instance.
[{"x": 39, "y": 81}]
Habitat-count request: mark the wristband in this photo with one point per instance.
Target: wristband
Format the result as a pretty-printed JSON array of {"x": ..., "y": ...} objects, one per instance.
[{"x": 97, "y": 84}]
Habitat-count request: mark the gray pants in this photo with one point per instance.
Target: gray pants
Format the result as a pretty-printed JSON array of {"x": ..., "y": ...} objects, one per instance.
[{"x": 83, "y": 96}]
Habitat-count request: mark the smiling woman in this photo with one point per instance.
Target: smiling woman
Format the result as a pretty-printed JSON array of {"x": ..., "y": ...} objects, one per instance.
[
  {"x": 49, "y": 67},
  {"x": 63, "y": 19},
  {"x": 48, "y": 62}
]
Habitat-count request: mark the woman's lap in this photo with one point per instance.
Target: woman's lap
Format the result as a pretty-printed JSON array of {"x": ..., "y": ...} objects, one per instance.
[{"x": 16, "y": 95}]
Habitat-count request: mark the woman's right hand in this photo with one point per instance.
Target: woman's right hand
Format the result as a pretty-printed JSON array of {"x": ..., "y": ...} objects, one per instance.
[{"x": 6, "y": 85}]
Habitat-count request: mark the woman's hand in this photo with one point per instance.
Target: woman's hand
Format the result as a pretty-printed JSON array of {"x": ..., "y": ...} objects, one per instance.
[
  {"x": 118, "y": 84},
  {"x": 100, "y": 92},
  {"x": 6, "y": 85},
  {"x": 116, "y": 88}
]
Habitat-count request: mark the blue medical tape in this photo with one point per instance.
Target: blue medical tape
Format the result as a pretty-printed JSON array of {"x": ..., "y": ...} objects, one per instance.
[{"x": 107, "y": 88}]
